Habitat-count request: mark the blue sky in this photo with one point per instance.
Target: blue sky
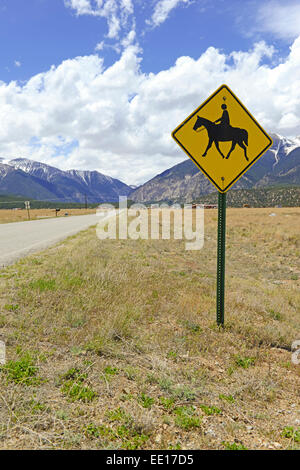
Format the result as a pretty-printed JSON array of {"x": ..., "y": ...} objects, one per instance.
[
  {"x": 36, "y": 34},
  {"x": 76, "y": 73}
]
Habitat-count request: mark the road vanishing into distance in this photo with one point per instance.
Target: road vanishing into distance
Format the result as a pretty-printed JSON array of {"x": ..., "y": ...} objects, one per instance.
[{"x": 19, "y": 239}]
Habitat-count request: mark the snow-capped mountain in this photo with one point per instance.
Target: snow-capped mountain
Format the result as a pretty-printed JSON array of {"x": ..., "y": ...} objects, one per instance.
[
  {"x": 282, "y": 146},
  {"x": 40, "y": 181}
]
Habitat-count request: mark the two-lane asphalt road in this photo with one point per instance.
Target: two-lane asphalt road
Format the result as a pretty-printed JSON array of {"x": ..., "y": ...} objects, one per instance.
[{"x": 19, "y": 239}]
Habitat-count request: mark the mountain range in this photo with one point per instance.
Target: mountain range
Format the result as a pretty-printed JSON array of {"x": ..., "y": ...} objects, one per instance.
[
  {"x": 279, "y": 166},
  {"x": 36, "y": 180}
]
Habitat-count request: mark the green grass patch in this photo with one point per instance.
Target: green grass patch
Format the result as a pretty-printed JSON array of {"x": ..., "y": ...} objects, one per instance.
[
  {"x": 244, "y": 362},
  {"x": 131, "y": 440},
  {"x": 43, "y": 284},
  {"x": 11, "y": 307},
  {"x": 22, "y": 371},
  {"x": 228, "y": 398},
  {"x": 146, "y": 401},
  {"x": 275, "y": 315},
  {"x": 167, "y": 403},
  {"x": 76, "y": 391},
  {"x": 131, "y": 437},
  {"x": 111, "y": 371},
  {"x": 233, "y": 446},
  {"x": 210, "y": 410},
  {"x": 74, "y": 387},
  {"x": 94, "y": 431},
  {"x": 186, "y": 418},
  {"x": 291, "y": 433},
  {"x": 119, "y": 414}
]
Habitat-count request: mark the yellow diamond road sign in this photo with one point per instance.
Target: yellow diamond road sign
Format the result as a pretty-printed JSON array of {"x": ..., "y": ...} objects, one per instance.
[{"x": 222, "y": 138}]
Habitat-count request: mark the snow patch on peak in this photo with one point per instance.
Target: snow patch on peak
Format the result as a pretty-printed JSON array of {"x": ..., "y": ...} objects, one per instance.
[
  {"x": 87, "y": 175},
  {"x": 4, "y": 161},
  {"x": 42, "y": 170},
  {"x": 282, "y": 146}
]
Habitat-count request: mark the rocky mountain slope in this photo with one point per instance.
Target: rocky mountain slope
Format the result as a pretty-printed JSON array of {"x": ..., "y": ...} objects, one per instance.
[
  {"x": 278, "y": 196},
  {"x": 37, "y": 180},
  {"x": 185, "y": 183}
]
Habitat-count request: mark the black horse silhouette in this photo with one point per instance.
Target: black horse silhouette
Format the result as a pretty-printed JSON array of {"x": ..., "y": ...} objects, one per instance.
[{"x": 219, "y": 133}]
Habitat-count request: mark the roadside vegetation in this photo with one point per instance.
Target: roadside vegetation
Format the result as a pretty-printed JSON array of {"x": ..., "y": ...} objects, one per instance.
[
  {"x": 21, "y": 215},
  {"x": 114, "y": 344}
]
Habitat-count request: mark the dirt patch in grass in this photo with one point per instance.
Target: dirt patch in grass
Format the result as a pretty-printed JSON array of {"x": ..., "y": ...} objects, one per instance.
[{"x": 113, "y": 344}]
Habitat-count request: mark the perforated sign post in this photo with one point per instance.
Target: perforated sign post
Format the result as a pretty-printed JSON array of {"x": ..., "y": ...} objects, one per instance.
[{"x": 224, "y": 140}]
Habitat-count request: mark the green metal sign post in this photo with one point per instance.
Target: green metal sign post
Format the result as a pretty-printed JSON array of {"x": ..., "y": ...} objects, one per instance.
[{"x": 221, "y": 258}]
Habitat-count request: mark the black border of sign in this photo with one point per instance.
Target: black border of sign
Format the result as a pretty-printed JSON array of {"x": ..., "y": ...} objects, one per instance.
[{"x": 197, "y": 164}]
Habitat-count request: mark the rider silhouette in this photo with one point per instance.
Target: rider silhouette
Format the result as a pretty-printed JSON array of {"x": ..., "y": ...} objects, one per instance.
[{"x": 224, "y": 121}]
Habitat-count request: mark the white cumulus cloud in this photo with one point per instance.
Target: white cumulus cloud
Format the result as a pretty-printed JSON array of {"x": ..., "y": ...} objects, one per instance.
[
  {"x": 118, "y": 119},
  {"x": 162, "y": 10},
  {"x": 281, "y": 18},
  {"x": 116, "y": 12}
]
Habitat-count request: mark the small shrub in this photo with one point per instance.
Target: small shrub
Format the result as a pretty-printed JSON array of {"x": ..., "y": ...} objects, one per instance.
[
  {"x": 167, "y": 403},
  {"x": 291, "y": 433},
  {"x": 233, "y": 446},
  {"x": 172, "y": 355},
  {"x": 152, "y": 379},
  {"x": 118, "y": 415},
  {"x": 131, "y": 436},
  {"x": 131, "y": 372},
  {"x": 184, "y": 393},
  {"x": 22, "y": 371},
  {"x": 77, "y": 391},
  {"x": 37, "y": 407},
  {"x": 11, "y": 307},
  {"x": 175, "y": 447},
  {"x": 146, "y": 401},
  {"x": 275, "y": 315},
  {"x": 74, "y": 388},
  {"x": 210, "y": 410},
  {"x": 132, "y": 440},
  {"x": 91, "y": 430},
  {"x": 166, "y": 384},
  {"x": 72, "y": 374},
  {"x": 111, "y": 370},
  {"x": 186, "y": 417},
  {"x": 228, "y": 398},
  {"x": 244, "y": 362}
]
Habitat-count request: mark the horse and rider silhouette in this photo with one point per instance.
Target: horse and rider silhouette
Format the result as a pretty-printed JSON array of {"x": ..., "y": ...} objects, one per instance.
[{"x": 221, "y": 131}]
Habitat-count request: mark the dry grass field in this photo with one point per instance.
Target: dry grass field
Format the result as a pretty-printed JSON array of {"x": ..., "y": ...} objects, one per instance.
[
  {"x": 114, "y": 344},
  {"x": 11, "y": 215}
]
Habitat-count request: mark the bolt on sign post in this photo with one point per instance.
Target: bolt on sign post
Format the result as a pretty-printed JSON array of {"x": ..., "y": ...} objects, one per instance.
[
  {"x": 27, "y": 206},
  {"x": 224, "y": 140}
]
